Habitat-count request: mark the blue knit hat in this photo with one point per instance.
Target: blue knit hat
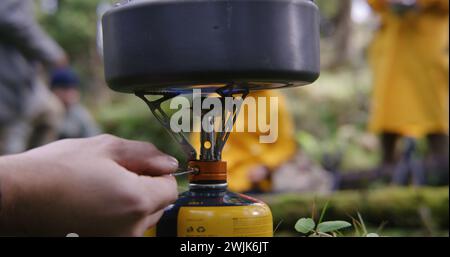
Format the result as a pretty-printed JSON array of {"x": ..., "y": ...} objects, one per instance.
[{"x": 64, "y": 78}]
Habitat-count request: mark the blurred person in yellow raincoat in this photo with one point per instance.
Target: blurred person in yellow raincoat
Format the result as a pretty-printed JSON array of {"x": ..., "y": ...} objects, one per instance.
[
  {"x": 249, "y": 162},
  {"x": 409, "y": 60}
]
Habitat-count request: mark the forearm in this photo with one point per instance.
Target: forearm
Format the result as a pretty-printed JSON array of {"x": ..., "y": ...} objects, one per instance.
[
  {"x": 27, "y": 198},
  {"x": 7, "y": 193}
]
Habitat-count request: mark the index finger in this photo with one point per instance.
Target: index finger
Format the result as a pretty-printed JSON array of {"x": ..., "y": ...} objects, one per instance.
[{"x": 140, "y": 157}]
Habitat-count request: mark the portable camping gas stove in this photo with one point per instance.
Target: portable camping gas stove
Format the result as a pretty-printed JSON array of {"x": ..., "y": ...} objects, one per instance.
[{"x": 167, "y": 48}]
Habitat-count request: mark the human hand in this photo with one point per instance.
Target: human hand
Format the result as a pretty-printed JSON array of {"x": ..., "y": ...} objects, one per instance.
[{"x": 97, "y": 186}]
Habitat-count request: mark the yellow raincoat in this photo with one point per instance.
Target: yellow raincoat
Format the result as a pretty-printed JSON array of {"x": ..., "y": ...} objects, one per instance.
[
  {"x": 409, "y": 59},
  {"x": 243, "y": 151}
]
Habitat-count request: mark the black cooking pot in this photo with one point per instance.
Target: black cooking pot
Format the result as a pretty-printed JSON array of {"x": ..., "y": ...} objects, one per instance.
[{"x": 176, "y": 45}]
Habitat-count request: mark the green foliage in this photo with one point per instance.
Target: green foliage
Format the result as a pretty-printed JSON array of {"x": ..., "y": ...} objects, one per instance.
[
  {"x": 391, "y": 208},
  {"x": 307, "y": 226},
  {"x": 332, "y": 226},
  {"x": 331, "y": 119},
  {"x": 328, "y": 8},
  {"x": 73, "y": 25}
]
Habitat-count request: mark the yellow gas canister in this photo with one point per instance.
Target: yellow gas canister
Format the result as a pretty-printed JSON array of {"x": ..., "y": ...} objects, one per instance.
[{"x": 208, "y": 209}]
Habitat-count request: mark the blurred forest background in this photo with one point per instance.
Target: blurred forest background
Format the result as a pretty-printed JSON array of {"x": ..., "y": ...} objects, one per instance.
[{"x": 330, "y": 115}]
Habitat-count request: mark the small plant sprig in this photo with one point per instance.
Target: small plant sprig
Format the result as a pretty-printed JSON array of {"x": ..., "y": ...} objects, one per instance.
[
  {"x": 308, "y": 226},
  {"x": 360, "y": 228}
]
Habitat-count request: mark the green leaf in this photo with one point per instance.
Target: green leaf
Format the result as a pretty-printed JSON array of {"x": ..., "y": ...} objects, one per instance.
[
  {"x": 330, "y": 226},
  {"x": 305, "y": 225},
  {"x": 324, "y": 209},
  {"x": 363, "y": 226}
]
